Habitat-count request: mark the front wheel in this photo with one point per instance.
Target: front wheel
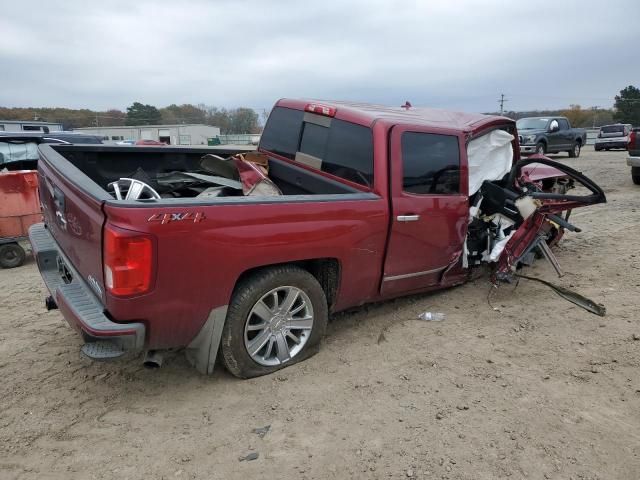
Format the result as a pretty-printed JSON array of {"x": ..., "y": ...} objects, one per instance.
[
  {"x": 541, "y": 149},
  {"x": 635, "y": 175},
  {"x": 11, "y": 255},
  {"x": 276, "y": 318},
  {"x": 575, "y": 151}
]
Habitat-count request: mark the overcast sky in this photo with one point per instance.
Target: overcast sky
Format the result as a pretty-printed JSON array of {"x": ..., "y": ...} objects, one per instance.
[{"x": 449, "y": 54}]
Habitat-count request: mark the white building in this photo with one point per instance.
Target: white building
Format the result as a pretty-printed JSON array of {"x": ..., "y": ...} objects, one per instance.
[
  {"x": 185, "y": 134},
  {"x": 26, "y": 126}
]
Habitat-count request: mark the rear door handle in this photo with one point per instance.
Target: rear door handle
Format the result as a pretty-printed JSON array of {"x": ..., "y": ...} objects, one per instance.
[{"x": 408, "y": 218}]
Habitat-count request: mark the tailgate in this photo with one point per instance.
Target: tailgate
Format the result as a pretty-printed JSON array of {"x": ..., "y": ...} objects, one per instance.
[{"x": 72, "y": 209}]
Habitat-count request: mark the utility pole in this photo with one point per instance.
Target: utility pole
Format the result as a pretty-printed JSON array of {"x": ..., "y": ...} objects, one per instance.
[
  {"x": 501, "y": 102},
  {"x": 97, "y": 123},
  {"x": 595, "y": 115}
]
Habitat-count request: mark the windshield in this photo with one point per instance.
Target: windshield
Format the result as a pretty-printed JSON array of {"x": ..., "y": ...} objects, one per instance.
[
  {"x": 17, "y": 151},
  {"x": 532, "y": 123}
]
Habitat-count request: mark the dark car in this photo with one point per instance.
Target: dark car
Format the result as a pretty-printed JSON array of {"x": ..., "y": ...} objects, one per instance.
[
  {"x": 542, "y": 135},
  {"x": 19, "y": 150},
  {"x": 613, "y": 136}
]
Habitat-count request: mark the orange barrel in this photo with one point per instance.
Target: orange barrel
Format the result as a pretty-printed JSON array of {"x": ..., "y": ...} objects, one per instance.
[{"x": 19, "y": 203}]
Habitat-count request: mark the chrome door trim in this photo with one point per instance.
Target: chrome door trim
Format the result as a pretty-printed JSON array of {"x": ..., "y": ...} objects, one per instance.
[{"x": 411, "y": 275}]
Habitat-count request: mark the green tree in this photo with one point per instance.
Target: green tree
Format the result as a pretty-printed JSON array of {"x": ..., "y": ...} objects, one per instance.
[
  {"x": 186, "y": 113},
  {"x": 139, "y": 114},
  {"x": 627, "y": 106},
  {"x": 219, "y": 117},
  {"x": 244, "y": 120}
]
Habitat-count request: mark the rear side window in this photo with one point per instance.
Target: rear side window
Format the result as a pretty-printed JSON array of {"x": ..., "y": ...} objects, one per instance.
[
  {"x": 430, "y": 163},
  {"x": 341, "y": 148},
  {"x": 282, "y": 132},
  {"x": 564, "y": 123}
]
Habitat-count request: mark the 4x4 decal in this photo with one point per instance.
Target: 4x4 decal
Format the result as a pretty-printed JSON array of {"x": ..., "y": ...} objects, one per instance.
[{"x": 165, "y": 218}]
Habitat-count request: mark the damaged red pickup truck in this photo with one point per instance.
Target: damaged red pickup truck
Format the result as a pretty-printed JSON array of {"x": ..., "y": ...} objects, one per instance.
[{"x": 149, "y": 248}]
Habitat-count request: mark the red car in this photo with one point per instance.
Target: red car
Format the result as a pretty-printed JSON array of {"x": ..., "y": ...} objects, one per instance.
[
  {"x": 150, "y": 143},
  {"x": 361, "y": 203}
]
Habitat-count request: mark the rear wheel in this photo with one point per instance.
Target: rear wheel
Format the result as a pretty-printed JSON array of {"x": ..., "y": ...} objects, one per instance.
[
  {"x": 635, "y": 175},
  {"x": 276, "y": 318},
  {"x": 11, "y": 255},
  {"x": 575, "y": 151},
  {"x": 541, "y": 148}
]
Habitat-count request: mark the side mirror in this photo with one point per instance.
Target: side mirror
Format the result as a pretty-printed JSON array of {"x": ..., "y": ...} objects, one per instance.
[{"x": 554, "y": 127}]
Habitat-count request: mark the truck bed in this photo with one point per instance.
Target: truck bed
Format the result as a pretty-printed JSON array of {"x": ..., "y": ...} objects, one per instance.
[
  {"x": 106, "y": 164},
  {"x": 202, "y": 246}
]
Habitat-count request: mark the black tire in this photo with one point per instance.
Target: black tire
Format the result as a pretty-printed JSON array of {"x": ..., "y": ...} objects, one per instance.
[
  {"x": 635, "y": 175},
  {"x": 541, "y": 148},
  {"x": 575, "y": 151},
  {"x": 247, "y": 293},
  {"x": 11, "y": 255},
  {"x": 597, "y": 149}
]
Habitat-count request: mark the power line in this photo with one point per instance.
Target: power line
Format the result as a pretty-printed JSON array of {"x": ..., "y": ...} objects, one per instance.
[{"x": 501, "y": 102}]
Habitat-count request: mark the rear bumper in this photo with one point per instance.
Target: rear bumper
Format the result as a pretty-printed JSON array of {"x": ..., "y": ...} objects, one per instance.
[
  {"x": 633, "y": 161},
  {"x": 79, "y": 306},
  {"x": 611, "y": 144}
]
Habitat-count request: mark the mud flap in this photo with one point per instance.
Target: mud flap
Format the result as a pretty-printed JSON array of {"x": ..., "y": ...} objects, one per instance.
[{"x": 203, "y": 349}]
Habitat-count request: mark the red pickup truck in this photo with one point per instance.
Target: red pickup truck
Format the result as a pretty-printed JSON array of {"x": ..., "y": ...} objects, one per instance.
[{"x": 153, "y": 248}]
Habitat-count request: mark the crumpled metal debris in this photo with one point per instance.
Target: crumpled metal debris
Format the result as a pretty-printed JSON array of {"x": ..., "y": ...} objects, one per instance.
[{"x": 573, "y": 297}]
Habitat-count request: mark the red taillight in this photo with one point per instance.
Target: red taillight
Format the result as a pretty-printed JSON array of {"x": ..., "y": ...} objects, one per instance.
[
  {"x": 128, "y": 260},
  {"x": 320, "y": 109},
  {"x": 632, "y": 140}
]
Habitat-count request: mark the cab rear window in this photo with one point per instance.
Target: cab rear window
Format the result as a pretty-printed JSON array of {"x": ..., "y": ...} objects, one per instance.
[
  {"x": 613, "y": 129},
  {"x": 334, "y": 146}
]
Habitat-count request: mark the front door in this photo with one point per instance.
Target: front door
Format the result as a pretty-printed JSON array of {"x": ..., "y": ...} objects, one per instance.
[{"x": 429, "y": 207}]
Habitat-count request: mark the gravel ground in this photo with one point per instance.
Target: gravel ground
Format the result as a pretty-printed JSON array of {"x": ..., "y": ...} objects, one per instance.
[{"x": 526, "y": 386}]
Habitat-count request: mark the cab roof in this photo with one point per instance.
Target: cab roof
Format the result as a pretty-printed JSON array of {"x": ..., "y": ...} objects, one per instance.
[{"x": 366, "y": 114}]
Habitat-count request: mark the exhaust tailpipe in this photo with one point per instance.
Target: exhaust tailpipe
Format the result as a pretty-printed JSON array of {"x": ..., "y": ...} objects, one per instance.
[{"x": 153, "y": 359}]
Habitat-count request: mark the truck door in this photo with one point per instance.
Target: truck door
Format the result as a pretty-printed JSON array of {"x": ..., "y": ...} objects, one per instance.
[
  {"x": 565, "y": 134},
  {"x": 554, "y": 136},
  {"x": 429, "y": 188}
]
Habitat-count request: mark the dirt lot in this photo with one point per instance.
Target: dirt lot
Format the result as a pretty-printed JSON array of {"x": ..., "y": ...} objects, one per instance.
[{"x": 532, "y": 387}]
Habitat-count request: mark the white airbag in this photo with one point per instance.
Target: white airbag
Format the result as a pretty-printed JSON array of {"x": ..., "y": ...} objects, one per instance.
[{"x": 490, "y": 157}]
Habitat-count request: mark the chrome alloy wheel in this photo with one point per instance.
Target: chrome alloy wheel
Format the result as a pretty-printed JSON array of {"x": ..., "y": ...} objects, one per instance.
[{"x": 278, "y": 326}]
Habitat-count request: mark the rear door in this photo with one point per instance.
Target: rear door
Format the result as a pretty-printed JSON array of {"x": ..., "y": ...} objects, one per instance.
[{"x": 429, "y": 205}]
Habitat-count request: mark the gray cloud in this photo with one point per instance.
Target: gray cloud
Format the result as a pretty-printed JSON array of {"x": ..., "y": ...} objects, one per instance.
[{"x": 459, "y": 55}]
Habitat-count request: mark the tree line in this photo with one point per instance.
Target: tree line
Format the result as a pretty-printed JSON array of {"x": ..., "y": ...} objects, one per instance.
[
  {"x": 230, "y": 121},
  {"x": 626, "y": 109}
]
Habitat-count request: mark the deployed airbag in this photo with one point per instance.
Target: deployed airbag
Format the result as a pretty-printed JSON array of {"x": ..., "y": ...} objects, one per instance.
[{"x": 490, "y": 158}]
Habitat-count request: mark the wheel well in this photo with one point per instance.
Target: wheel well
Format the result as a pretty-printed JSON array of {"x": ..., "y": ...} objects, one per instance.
[
  {"x": 325, "y": 270},
  {"x": 579, "y": 141}
]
